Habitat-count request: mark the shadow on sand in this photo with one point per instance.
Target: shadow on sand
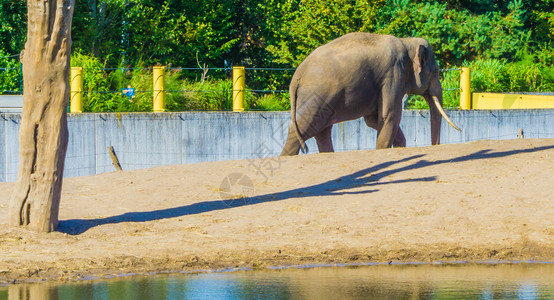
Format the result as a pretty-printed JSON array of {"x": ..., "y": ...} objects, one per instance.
[{"x": 338, "y": 186}]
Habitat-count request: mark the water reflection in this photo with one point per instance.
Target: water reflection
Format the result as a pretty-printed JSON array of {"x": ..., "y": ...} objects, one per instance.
[
  {"x": 31, "y": 292},
  {"x": 517, "y": 281}
]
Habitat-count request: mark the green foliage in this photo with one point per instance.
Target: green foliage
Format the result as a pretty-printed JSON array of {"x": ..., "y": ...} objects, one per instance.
[
  {"x": 458, "y": 35},
  {"x": 12, "y": 37},
  {"x": 10, "y": 74},
  {"x": 305, "y": 25},
  {"x": 282, "y": 32},
  {"x": 501, "y": 76},
  {"x": 496, "y": 76},
  {"x": 508, "y": 44},
  {"x": 183, "y": 91},
  {"x": 195, "y": 95},
  {"x": 272, "y": 102},
  {"x": 13, "y": 26},
  {"x": 540, "y": 21},
  {"x": 450, "y": 82},
  {"x": 95, "y": 84},
  {"x": 101, "y": 87}
]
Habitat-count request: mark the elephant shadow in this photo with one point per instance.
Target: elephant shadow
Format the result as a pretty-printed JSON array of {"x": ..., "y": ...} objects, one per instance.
[{"x": 340, "y": 186}]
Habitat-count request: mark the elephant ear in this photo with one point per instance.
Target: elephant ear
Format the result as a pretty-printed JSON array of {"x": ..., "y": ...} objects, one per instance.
[
  {"x": 419, "y": 58},
  {"x": 419, "y": 63}
]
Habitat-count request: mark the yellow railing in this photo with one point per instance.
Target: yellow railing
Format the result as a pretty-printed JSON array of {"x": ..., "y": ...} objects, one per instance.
[
  {"x": 159, "y": 89},
  {"x": 76, "y": 98},
  {"x": 238, "y": 89},
  {"x": 465, "y": 89}
]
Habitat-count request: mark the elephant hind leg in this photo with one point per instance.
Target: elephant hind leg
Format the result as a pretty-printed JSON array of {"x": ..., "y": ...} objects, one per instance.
[
  {"x": 324, "y": 140},
  {"x": 399, "y": 139},
  {"x": 292, "y": 146},
  {"x": 371, "y": 121}
]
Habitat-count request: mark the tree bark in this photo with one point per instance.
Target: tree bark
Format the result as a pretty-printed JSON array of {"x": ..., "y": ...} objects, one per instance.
[{"x": 43, "y": 132}]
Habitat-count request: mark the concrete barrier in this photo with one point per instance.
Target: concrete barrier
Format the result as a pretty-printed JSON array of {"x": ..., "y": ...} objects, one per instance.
[
  {"x": 11, "y": 103},
  {"x": 144, "y": 140}
]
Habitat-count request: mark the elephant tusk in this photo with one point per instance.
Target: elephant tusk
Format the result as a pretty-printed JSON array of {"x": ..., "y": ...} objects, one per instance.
[{"x": 441, "y": 110}]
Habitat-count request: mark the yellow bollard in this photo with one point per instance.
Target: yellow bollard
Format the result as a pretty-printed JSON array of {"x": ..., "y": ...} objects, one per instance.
[
  {"x": 76, "y": 83},
  {"x": 465, "y": 89},
  {"x": 238, "y": 88},
  {"x": 159, "y": 89}
]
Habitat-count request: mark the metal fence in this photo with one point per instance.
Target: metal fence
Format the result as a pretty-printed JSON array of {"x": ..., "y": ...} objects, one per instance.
[
  {"x": 242, "y": 82},
  {"x": 259, "y": 81}
]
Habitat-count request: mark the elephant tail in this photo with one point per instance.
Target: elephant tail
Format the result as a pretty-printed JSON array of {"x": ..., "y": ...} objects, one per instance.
[{"x": 293, "y": 94}]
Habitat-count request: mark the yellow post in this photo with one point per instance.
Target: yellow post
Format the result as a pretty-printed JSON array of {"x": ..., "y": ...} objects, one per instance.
[
  {"x": 76, "y": 83},
  {"x": 159, "y": 89},
  {"x": 465, "y": 89},
  {"x": 238, "y": 88}
]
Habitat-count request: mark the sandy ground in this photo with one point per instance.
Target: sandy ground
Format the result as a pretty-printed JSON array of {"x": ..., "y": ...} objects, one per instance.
[{"x": 481, "y": 201}]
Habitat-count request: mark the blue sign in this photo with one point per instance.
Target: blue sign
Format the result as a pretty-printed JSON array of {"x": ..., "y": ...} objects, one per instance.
[{"x": 129, "y": 92}]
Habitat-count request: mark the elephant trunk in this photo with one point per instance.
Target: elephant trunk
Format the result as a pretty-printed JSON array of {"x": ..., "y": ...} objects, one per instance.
[
  {"x": 436, "y": 120},
  {"x": 434, "y": 100}
]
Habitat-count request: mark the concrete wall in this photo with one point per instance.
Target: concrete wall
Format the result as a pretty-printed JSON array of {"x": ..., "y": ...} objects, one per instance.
[
  {"x": 144, "y": 140},
  {"x": 9, "y": 146},
  {"x": 11, "y": 103}
]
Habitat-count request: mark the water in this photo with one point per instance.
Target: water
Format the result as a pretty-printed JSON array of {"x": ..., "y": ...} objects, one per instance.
[{"x": 484, "y": 281}]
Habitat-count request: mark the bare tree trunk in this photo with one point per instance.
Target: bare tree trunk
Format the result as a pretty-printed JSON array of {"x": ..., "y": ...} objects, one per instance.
[{"x": 43, "y": 132}]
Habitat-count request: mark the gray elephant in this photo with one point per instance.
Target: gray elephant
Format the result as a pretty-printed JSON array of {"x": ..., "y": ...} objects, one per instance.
[{"x": 362, "y": 75}]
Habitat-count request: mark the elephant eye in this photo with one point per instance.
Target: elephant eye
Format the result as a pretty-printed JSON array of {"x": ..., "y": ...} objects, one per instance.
[{"x": 436, "y": 72}]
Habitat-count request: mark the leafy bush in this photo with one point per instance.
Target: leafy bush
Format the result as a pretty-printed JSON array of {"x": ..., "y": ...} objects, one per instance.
[
  {"x": 10, "y": 74},
  {"x": 102, "y": 86},
  {"x": 95, "y": 84},
  {"x": 272, "y": 102},
  {"x": 207, "y": 95},
  {"x": 532, "y": 74},
  {"x": 488, "y": 75},
  {"x": 500, "y": 76}
]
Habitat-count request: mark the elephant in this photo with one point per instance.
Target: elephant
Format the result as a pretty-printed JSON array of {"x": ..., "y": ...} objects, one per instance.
[{"x": 362, "y": 75}]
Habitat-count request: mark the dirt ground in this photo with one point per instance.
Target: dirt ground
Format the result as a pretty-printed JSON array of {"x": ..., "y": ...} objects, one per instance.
[{"x": 480, "y": 201}]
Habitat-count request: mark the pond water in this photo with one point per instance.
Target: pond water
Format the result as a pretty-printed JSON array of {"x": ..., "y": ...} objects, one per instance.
[{"x": 459, "y": 281}]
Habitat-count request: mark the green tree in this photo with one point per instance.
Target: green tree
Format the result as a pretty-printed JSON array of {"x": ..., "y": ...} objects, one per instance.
[
  {"x": 305, "y": 25},
  {"x": 13, "y": 26},
  {"x": 458, "y": 35},
  {"x": 10, "y": 73},
  {"x": 541, "y": 21}
]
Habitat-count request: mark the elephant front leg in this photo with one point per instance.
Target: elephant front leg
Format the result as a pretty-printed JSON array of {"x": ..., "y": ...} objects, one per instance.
[{"x": 390, "y": 113}]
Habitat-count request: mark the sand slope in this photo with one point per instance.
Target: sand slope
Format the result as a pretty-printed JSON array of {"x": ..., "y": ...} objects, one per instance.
[{"x": 486, "y": 200}]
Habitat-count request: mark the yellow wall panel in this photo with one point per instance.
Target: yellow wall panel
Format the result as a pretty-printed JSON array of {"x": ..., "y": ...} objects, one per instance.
[{"x": 510, "y": 101}]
